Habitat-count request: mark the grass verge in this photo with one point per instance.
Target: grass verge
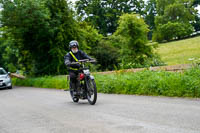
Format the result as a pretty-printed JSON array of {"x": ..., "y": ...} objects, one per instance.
[
  {"x": 157, "y": 83},
  {"x": 58, "y": 82}
]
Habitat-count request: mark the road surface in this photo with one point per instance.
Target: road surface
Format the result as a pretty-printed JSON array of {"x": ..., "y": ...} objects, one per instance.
[{"x": 37, "y": 110}]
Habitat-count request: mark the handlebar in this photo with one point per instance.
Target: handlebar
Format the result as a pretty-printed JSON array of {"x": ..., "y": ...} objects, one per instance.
[{"x": 84, "y": 61}]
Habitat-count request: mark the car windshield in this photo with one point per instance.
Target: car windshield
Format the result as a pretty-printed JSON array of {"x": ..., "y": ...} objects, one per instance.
[{"x": 2, "y": 71}]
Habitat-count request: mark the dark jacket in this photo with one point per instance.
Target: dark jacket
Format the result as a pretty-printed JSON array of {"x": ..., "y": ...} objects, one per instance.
[{"x": 80, "y": 55}]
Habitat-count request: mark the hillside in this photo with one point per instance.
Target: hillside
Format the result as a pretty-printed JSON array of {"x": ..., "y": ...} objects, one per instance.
[{"x": 180, "y": 52}]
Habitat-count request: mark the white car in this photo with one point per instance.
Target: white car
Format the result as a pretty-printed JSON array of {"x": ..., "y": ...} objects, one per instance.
[{"x": 5, "y": 80}]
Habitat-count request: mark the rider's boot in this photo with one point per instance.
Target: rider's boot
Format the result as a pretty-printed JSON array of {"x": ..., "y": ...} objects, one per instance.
[{"x": 74, "y": 89}]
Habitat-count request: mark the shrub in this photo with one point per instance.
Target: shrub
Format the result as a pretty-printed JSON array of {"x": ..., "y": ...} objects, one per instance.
[
  {"x": 107, "y": 55},
  {"x": 171, "y": 31}
]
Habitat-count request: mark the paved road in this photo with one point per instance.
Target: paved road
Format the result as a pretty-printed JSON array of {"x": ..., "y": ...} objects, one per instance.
[{"x": 36, "y": 110}]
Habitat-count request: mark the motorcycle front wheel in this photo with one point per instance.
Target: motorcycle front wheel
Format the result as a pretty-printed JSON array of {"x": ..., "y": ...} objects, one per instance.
[{"x": 91, "y": 91}]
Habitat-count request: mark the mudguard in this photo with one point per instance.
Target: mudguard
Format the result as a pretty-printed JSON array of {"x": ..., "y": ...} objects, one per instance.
[{"x": 92, "y": 77}]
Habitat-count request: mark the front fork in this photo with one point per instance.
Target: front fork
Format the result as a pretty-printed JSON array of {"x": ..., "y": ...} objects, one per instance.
[{"x": 88, "y": 82}]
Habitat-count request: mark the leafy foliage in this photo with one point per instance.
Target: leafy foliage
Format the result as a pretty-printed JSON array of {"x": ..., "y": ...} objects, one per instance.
[
  {"x": 196, "y": 3},
  {"x": 151, "y": 12},
  {"x": 35, "y": 34},
  {"x": 104, "y": 14},
  {"x": 9, "y": 53},
  {"x": 174, "y": 30},
  {"x": 174, "y": 15},
  {"x": 107, "y": 55},
  {"x": 88, "y": 37},
  {"x": 41, "y": 30},
  {"x": 132, "y": 34}
]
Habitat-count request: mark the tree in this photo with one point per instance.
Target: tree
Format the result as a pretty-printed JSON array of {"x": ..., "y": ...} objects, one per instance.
[
  {"x": 196, "y": 23},
  {"x": 196, "y": 3},
  {"x": 151, "y": 12},
  {"x": 41, "y": 30},
  {"x": 97, "y": 46},
  {"x": 104, "y": 14},
  {"x": 173, "y": 30},
  {"x": 62, "y": 28},
  {"x": 162, "y": 4},
  {"x": 9, "y": 56},
  {"x": 88, "y": 38},
  {"x": 171, "y": 13},
  {"x": 107, "y": 54},
  {"x": 23, "y": 19},
  {"x": 132, "y": 34}
]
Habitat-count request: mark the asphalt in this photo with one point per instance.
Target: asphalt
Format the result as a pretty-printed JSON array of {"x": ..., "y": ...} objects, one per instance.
[{"x": 40, "y": 110}]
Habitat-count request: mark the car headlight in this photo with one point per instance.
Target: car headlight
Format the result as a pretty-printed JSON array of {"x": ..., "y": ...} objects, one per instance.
[{"x": 7, "y": 78}]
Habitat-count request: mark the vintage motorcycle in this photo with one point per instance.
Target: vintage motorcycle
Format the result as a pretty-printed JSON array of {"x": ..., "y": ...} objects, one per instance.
[{"x": 87, "y": 89}]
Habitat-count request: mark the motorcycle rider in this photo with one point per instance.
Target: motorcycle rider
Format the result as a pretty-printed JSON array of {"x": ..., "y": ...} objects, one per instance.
[{"x": 73, "y": 56}]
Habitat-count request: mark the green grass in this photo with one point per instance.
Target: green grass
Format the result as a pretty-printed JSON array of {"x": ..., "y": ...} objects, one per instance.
[
  {"x": 186, "y": 84},
  {"x": 58, "y": 82},
  {"x": 162, "y": 83},
  {"x": 178, "y": 52}
]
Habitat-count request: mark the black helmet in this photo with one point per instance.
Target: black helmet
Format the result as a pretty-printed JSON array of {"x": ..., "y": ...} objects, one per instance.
[{"x": 73, "y": 43}]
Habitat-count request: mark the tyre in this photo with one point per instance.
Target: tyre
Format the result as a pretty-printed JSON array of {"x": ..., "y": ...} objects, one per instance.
[
  {"x": 10, "y": 87},
  {"x": 91, "y": 91},
  {"x": 75, "y": 99}
]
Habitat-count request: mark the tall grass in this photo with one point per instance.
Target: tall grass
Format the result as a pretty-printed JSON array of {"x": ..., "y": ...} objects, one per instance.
[
  {"x": 186, "y": 84},
  {"x": 163, "y": 83}
]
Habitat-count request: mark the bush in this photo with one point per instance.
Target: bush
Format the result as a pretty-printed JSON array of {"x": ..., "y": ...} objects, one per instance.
[
  {"x": 131, "y": 38},
  {"x": 107, "y": 55},
  {"x": 171, "y": 31}
]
